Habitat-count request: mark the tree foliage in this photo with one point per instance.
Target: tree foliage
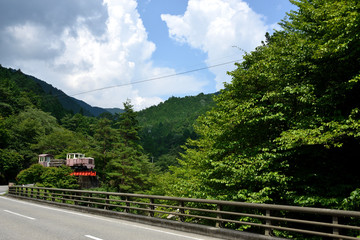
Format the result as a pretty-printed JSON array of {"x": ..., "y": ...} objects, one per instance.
[
  {"x": 31, "y": 175},
  {"x": 10, "y": 164},
  {"x": 48, "y": 177},
  {"x": 129, "y": 168},
  {"x": 167, "y": 126},
  {"x": 286, "y": 129}
]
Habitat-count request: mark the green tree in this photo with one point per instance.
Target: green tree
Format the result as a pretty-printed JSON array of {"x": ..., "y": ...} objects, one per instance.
[
  {"x": 10, "y": 164},
  {"x": 167, "y": 126},
  {"x": 286, "y": 129},
  {"x": 4, "y": 133},
  {"x": 105, "y": 138},
  {"x": 128, "y": 126},
  {"x": 27, "y": 128},
  {"x": 54, "y": 177},
  {"x": 31, "y": 175},
  {"x": 58, "y": 178},
  {"x": 129, "y": 168},
  {"x": 78, "y": 123},
  {"x": 61, "y": 141}
]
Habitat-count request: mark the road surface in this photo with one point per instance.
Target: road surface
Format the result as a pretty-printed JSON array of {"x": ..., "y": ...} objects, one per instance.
[
  {"x": 3, "y": 189},
  {"x": 20, "y": 220}
]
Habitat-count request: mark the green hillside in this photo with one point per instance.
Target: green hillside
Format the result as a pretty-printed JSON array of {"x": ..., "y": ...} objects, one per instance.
[
  {"x": 33, "y": 120},
  {"x": 36, "y": 118},
  {"x": 20, "y": 90},
  {"x": 50, "y": 99},
  {"x": 167, "y": 126}
]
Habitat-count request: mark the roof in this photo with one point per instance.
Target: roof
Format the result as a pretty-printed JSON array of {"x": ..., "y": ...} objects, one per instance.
[{"x": 45, "y": 155}]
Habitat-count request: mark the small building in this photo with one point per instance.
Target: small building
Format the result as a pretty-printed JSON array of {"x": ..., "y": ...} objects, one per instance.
[{"x": 47, "y": 160}]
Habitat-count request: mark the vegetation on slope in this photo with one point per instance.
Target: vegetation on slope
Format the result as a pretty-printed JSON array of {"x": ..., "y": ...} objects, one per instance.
[
  {"x": 167, "y": 126},
  {"x": 286, "y": 129},
  {"x": 26, "y": 130}
]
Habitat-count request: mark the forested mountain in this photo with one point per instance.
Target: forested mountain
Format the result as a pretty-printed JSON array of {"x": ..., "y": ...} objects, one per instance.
[
  {"x": 167, "y": 126},
  {"x": 49, "y": 96},
  {"x": 34, "y": 122},
  {"x": 19, "y": 90}
]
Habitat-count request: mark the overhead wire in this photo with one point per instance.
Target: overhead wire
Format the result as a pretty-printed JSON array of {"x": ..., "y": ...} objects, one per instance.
[{"x": 152, "y": 79}]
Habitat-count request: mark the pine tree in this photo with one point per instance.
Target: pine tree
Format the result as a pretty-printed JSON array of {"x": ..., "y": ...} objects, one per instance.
[{"x": 129, "y": 168}]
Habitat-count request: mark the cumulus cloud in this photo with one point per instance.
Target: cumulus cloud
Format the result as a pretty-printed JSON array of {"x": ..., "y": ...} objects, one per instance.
[
  {"x": 215, "y": 26},
  {"x": 82, "y": 45}
]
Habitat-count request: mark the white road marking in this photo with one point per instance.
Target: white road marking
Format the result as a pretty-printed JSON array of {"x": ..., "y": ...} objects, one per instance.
[
  {"x": 103, "y": 219},
  {"x": 18, "y": 214},
  {"x": 92, "y": 237}
]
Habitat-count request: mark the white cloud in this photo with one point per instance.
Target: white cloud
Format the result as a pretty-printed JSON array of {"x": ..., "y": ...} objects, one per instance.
[
  {"x": 76, "y": 58},
  {"x": 24, "y": 39},
  {"x": 214, "y": 26}
]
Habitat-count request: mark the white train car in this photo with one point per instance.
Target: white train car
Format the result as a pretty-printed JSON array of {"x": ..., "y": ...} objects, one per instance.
[{"x": 79, "y": 161}]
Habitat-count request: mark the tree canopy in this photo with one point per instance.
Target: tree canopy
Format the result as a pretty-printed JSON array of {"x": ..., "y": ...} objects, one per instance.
[{"x": 286, "y": 129}]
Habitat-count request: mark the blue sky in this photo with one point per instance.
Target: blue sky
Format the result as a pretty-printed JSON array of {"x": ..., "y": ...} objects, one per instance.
[{"x": 85, "y": 45}]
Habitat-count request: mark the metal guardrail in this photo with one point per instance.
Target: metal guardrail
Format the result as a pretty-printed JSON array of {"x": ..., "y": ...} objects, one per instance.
[{"x": 263, "y": 218}]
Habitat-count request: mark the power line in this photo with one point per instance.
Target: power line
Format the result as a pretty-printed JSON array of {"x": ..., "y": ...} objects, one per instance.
[{"x": 155, "y": 78}]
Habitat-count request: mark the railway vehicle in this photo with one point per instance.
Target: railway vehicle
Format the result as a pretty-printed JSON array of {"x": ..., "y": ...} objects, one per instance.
[
  {"x": 82, "y": 166},
  {"x": 79, "y": 161},
  {"x": 47, "y": 160}
]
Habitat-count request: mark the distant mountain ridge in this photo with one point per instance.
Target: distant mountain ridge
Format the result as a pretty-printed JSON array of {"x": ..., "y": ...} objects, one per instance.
[
  {"x": 71, "y": 104},
  {"x": 114, "y": 110}
]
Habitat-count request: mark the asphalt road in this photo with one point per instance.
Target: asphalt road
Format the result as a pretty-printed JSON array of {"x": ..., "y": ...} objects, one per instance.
[
  {"x": 20, "y": 220},
  {"x": 3, "y": 189}
]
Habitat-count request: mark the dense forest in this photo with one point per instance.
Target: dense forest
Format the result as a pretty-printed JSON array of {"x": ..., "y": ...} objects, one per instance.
[
  {"x": 35, "y": 121},
  {"x": 286, "y": 130},
  {"x": 167, "y": 126}
]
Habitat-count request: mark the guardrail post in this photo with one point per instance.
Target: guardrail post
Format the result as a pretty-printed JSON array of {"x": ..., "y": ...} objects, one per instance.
[
  {"x": 268, "y": 222},
  {"x": 76, "y": 198},
  {"x": 47, "y": 192},
  {"x": 107, "y": 202},
  {"x": 152, "y": 207},
  {"x": 31, "y": 192},
  {"x": 182, "y": 211},
  {"x": 219, "y": 223},
  {"x": 89, "y": 200},
  {"x": 127, "y": 210},
  {"x": 335, "y": 229},
  {"x": 63, "y": 196}
]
